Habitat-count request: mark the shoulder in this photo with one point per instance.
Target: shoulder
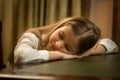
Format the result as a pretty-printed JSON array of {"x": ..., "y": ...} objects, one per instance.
[{"x": 29, "y": 38}]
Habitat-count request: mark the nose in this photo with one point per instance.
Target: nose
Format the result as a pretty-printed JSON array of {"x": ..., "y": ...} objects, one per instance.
[{"x": 59, "y": 44}]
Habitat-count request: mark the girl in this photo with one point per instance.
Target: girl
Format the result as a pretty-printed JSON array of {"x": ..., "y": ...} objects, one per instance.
[{"x": 73, "y": 37}]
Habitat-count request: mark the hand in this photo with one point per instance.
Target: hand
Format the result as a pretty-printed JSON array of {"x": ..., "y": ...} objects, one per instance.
[
  {"x": 68, "y": 56},
  {"x": 54, "y": 55}
]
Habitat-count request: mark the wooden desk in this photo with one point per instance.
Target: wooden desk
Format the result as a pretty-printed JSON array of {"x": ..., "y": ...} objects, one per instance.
[{"x": 99, "y": 67}]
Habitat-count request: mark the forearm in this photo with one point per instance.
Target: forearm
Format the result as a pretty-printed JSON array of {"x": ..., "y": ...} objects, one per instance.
[
  {"x": 97, "y": 49},
  {"x": 54, "y": 55},
  {"x": 104, "y": 46},
  {"x": 26, "y": 54}
]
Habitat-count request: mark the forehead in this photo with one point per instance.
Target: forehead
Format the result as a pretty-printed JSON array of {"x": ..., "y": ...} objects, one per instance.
[{"x": 70, "y": 37}]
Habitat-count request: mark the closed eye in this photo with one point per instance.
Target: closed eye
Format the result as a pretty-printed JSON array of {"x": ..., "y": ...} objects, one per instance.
[
  {"x": 61, "y": 35},
  {"x": 68, "y": 48}
]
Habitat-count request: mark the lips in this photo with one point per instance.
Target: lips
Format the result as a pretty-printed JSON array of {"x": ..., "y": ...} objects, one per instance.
[{"x": 53, "y": 47}]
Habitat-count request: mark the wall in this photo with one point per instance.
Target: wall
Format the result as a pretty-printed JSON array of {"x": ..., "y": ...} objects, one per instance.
[{"x": 101, "y": 13}]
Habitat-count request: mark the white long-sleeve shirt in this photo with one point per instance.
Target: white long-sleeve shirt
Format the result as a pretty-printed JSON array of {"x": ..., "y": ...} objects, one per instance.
[{"x": 27, "y": 49}]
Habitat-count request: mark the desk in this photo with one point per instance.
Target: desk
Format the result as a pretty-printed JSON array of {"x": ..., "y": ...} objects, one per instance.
[{"x": 98, "y": 67}]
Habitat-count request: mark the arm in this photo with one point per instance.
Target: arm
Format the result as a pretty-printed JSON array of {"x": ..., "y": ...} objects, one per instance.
[
  {"x": 54, "y": 55},
  {"x": 26, "y": 51},
  {"x": 104, "y": 46}
]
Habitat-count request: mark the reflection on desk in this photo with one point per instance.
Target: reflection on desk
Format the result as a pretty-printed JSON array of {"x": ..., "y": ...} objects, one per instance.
[{"x": 90, "y": 68}]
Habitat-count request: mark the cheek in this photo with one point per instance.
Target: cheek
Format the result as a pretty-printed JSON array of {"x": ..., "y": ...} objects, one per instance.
[{"x": 53, "y": 37}]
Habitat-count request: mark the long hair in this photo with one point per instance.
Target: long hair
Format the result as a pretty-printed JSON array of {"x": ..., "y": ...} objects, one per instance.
[{"x": 89, "y": 33}]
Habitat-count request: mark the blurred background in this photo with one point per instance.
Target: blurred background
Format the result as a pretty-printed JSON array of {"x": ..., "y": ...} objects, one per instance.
[{"x": 16, "y": 16}]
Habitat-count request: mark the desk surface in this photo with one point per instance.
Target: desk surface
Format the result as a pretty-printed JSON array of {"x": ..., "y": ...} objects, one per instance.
[{"x": 100, "y": 66}]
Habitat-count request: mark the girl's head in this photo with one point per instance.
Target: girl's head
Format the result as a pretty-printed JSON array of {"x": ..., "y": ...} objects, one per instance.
[{"x": 74, "y": 35}]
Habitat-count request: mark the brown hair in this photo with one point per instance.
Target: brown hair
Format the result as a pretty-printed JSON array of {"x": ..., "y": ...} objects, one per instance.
[{"x": 89, "y": 33}]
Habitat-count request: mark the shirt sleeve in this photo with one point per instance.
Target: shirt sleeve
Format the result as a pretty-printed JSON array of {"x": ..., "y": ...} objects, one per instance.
[
  {"x": 109, "y": 45},
  {"x": 26, "y": 50}
]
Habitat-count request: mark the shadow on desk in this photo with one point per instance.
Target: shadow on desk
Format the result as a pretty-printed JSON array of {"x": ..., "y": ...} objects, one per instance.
[{"x": 99, "y": 67}]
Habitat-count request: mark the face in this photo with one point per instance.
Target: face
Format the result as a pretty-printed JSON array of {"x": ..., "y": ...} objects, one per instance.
[{"x": 64, "y": 40}]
